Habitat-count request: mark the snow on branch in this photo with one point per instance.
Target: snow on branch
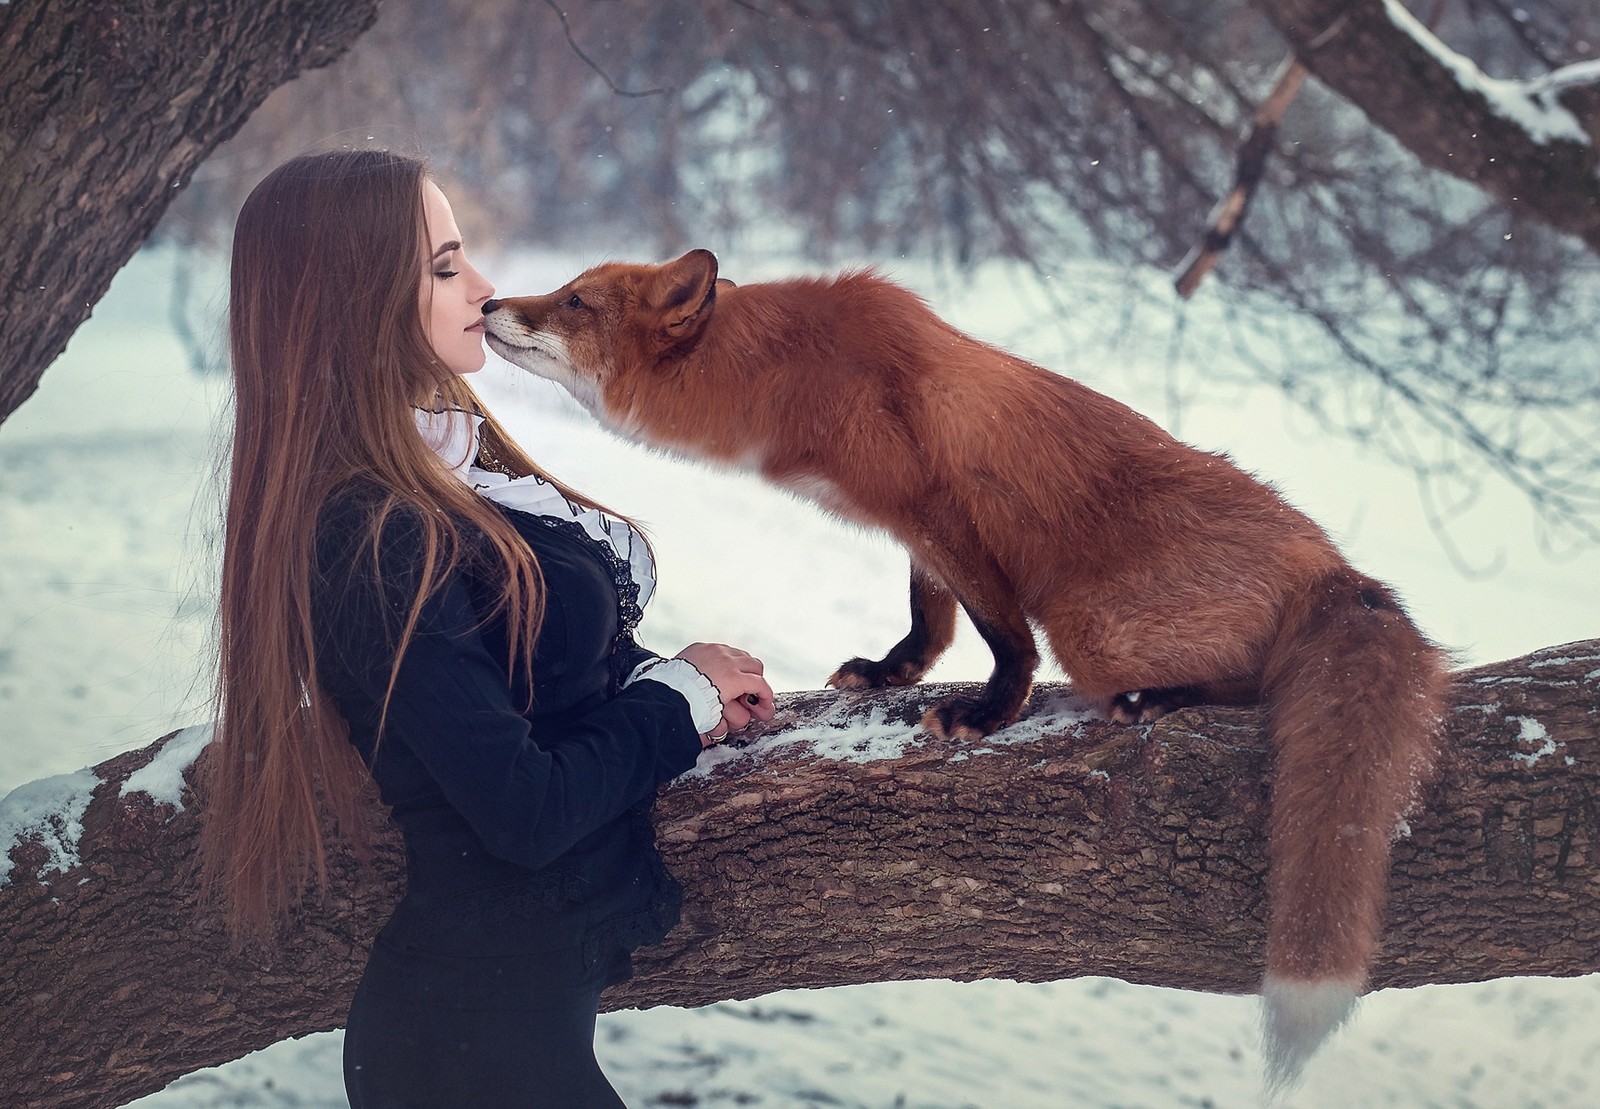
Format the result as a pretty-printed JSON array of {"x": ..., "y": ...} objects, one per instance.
[
  {"x": 1249, "y": 168},
  {"x": 1533, "y": 144},
  {"x": 46, "y": 815},
  {"x": 841, "y": 845},
  {"x": 1531, "y": 105},
  {"x": 1535, "y": 107},
  {"x": 1575, "y": 76}
]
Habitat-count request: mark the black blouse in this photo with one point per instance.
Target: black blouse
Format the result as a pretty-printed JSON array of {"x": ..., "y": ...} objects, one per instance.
[{"x": 527, "y": 829}]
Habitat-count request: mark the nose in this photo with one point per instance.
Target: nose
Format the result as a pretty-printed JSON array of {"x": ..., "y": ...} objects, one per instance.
[{"x": 490, "y": 306}]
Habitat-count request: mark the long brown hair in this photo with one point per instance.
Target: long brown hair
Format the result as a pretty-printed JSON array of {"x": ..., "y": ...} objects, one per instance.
[{"x": 329, "y": 358}]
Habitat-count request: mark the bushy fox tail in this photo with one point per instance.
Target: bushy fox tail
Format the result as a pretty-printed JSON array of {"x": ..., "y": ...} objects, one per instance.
[{"x": 1354, "y": 696}]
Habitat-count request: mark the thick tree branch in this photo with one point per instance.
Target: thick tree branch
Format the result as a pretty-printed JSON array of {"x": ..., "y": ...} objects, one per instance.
[
  {"x": 105, "y": 111},
  {"x": 1534, "y": 145},
  {"x": 844, "y": 846}
]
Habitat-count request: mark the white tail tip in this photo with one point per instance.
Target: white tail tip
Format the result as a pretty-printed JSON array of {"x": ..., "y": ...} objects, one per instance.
[{"x": 1298, "y": 1017}]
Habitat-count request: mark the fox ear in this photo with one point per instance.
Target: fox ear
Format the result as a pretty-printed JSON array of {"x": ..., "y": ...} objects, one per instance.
[{"x": 688, "y": 295}]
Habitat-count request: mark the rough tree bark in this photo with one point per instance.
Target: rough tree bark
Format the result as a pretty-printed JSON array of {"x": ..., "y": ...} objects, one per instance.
[
  {"x": 1357, "y": 49},
  {"x": 106, "y": 108},
  {"x": 844, "y": 846}
]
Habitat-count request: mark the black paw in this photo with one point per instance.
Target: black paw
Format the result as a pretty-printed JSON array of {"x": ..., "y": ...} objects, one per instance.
[
  {"x": 864, "y": 673},
  {"x": 967, "y": 718}
]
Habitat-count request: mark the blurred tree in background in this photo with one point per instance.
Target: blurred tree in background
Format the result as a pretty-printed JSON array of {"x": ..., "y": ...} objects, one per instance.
[
  {"x": 1450, "y": 328},
  {"x": 1414, "y": 269}
]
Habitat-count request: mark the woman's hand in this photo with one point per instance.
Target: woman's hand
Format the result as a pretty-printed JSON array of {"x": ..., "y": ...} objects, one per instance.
[{"x": 745, "y": 694}]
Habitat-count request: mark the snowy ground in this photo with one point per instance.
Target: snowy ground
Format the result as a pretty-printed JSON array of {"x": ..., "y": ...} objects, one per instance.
[{"x": 103, "y": 623}]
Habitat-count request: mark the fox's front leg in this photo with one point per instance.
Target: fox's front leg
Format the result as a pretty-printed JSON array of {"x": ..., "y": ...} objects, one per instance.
[
  {"x": 933, "y": 627},
  {"x": 1001, "y": 701}
]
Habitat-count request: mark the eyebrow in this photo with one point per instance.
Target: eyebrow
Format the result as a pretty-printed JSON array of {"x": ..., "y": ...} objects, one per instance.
[{"x": 446, "y": 248}]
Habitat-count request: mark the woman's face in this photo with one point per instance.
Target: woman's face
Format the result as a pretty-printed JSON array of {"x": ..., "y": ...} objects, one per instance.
[{"x": 452, "y": 291}]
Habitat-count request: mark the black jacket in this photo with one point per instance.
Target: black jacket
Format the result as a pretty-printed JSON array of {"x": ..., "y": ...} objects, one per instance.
[{"x": 527, "y": 830}]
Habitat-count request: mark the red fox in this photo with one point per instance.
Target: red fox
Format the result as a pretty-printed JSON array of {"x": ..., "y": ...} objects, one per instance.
[{"x": 1160, "y": 575}]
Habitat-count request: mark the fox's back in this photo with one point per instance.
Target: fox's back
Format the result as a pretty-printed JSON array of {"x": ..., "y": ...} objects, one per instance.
[
  {"x": 1013, "y": 439},
  {"x": 870, "y": 351}
]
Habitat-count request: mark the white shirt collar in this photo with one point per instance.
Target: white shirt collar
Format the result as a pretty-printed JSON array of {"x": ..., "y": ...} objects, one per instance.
[{"x": 453, "y": 434}]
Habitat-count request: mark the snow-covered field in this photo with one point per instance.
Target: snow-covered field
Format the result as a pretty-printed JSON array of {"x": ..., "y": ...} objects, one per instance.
[{"x": 104, "y": 613}]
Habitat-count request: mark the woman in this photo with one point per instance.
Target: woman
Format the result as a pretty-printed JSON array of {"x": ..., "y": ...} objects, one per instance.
[{"x": 400, "y": 582}]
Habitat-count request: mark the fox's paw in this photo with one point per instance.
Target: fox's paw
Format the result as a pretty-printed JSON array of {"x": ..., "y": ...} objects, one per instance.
[
  {"x": 1135, "y": 707},
  {"x": 965, "y": 718},
  {"x": 1145, "y": 706},
  {"x": 865, "y": 673}
]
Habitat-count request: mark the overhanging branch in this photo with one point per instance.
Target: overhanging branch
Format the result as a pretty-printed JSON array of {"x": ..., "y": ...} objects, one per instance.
[
  {"x": 1452, "y": 116},
  {"x": 105, "y": 111}
]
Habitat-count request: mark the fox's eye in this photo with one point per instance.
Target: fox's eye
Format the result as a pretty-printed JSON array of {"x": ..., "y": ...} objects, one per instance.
[{"x": 574, "y": 301}]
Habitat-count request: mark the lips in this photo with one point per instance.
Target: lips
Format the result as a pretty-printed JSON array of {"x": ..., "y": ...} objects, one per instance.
[{"x": 477, "y": 326}]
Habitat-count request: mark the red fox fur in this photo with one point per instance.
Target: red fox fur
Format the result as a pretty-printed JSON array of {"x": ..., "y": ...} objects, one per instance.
[{"x": 1159, "y": 574}]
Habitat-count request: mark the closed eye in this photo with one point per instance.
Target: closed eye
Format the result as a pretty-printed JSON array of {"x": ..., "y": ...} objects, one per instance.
[{"x": 445, "y": 275}]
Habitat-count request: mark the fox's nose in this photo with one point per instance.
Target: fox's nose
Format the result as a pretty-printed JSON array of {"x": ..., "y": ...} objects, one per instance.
[{"x": 490, "y": 306}]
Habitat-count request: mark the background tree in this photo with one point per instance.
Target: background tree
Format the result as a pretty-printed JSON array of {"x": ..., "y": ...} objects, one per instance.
[
  {"x": 1375, "y": 281},
  {"x": 1423, "y": 280}
]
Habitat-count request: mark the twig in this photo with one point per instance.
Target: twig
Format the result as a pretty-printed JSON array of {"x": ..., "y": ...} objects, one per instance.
[
  {"x": 1249, "y": 168},
  {"x": 566, "y": 29}
]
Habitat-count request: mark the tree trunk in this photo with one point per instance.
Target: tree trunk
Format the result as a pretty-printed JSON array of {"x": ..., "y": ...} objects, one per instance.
[
  {"x": 106, "y": 108},
  {"x": 844, "y": 846},
  {"x": 1358, "y": 50}
]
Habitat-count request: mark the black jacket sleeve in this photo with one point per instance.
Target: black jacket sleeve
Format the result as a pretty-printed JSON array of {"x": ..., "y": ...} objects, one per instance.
[
  {"x": 632, "y": 655},
  {"x": 529, "y": 788}
]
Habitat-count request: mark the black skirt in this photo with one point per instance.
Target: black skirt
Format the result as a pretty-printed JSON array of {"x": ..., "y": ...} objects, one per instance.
[{"x": 431, "y": 1031}]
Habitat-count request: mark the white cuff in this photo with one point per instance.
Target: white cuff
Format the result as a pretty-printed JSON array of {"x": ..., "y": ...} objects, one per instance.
[{"x": 705, "y": 703}]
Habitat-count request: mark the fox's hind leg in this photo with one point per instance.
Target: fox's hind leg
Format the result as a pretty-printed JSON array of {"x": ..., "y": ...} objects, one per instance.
[
  {"x": 1141, "y": 706},
  {"x": 933, "y": 627}
]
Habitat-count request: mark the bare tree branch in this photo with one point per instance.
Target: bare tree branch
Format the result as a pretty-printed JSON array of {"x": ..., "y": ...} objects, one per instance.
[
  {"x": 566, "y": 29},
  {"x": 1251, "y": 165}
]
